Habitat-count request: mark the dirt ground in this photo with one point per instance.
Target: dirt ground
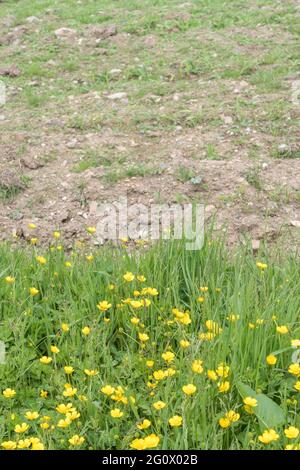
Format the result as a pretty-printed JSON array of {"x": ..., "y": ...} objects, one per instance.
[{"x": 171, "y": 104}]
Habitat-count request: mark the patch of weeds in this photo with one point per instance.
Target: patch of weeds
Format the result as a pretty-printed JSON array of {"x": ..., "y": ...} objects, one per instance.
[
  {"x": 280, "y": 194},
  {"x": 92, "y": 159},
  {"x": 185, "y": 174},
  {"x": 9, "y": 191},
  {"x": 113, "y": 176},
  {"x": 34, "y": 100},
  {"x": 142, "y": 170},
  {"x": 252, "y": 176},
  {"x": 93, "y": 122},
  {"x": 212, "y": 153},
  {"x": 181, "y": 198},
  {"x": 289, "y": 152}
]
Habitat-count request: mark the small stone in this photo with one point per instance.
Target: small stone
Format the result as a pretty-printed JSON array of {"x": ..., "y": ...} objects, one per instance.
[
  {"x": 71, "y": 144},
  {"x": 295, "y": 223},
  {"x": 255, "y": 245},
  {"x": 117, "y": 96},
  {"x": 32, "y": 19},
  {"x": 114, "y": 72},
  {"x": 283, "y": 148}
]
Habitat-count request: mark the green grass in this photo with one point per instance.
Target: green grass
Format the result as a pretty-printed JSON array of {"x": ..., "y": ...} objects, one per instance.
[{"x": 31, "y": 325}]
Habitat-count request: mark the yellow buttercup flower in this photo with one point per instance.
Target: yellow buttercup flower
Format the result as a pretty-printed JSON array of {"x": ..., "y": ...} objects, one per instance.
[
  {"x": 32, "y": 226},
  {"x": 104, "y": 305},
  {"x": 69, "y": 392},
  {"x": 261, "y": 266},
  {"x": 24, "y": 443},
  {"x": 68, "y": 370},
  {"x": 211, "y": 374},
  {"x": 43, "y": 394},
  {"x": 91, "y": 372},
  {"x": 56, "y": 234},
  {"x": 86, "y": 331},
  {"x": 10, "y": 279},
  {"x": 145, "y": 424},
  {"x": 222, "y": 370},
  {"x": 9, "y": 393},
  {"x": 91, "y": 230},
  {"x": 76, "y": 440},
  {"x": 33, "y": 291},
  {"x": 271, "y": 359},
  {"x": 224, "y": 387},
  {"x": 116, "y": 413},
  {"x": 249, "y": 401},
  {"x": 21, "y": 428},
  {"x": 135, "y": 320},
  {"x": 54, "y": 349},
  {"x": 141, "y": 278},
  {"x": 168, "y": 356},
  {"x": 184, "y": 343},
  {"x": 295, "y": 343},
  {"x": 189, "y": 389},
  {"x": 138, "y": 444},
  {"x": 232, "y": 416},
  {"x": 248, "y": 409},
  {"x": 268, "y": 436},
  {"x": 9, "y": 445},
  {"x": 31, "y": 415},
  {"x": 45, "y": 360},
  {"x": 291, "y": 432},
  {"x": 149, "y": 363},
  {"x": 128, "y": 276},
  {"x": 294, "y": 369},
  {"x": 108, "y": 390},
  {"x": 41, "y": 259},
  {"x": 159, "y": 374},
  {"x": 64, "y": 409},
  {"x": 297, "y": 386},
  {"x": 151, "y": 441},
  {"x": 143, "y": 337},
  {"x": 159, "y": 405},
  {"x": 65, "y": 327},
  {"x": 44, "y": 426},
  {"x": 204, "y": 289},
  {"x": 224, "y": 423},
  {"x": 283, "y": 330},
  {"x": 64, "y": 423},
  {"x": 175, "y": 421},
  {"x": 197, "y": 366}
]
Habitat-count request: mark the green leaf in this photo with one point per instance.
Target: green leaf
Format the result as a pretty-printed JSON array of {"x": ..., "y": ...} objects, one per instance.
[{"x": 269, "y": 414}]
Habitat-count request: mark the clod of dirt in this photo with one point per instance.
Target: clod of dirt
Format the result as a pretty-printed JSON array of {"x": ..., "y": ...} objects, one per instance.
[
  {"x": 31, "y": 163},
  {"x": 64, "y": 216},
  {"x": 295, "y": 223},
  {"x": 10, "y": 181},
  {"x": 65, "y": 33},
  {"x": 104, "y": 32},
  {"x": 13, "y": 36},
  {"x": 10, "y": 71},
  {"x": 150, "y": 41}
]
